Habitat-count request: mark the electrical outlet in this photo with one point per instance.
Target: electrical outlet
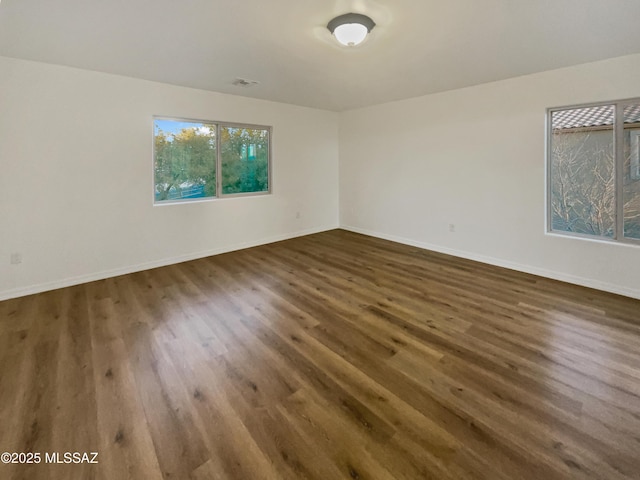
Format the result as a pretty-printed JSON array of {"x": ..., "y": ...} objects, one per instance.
[
  {"x": 16, "y": 258},
  {"x": 452, "y": 227}
]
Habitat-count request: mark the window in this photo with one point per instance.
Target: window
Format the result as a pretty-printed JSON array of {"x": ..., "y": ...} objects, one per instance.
[
  {"x": 631, "y": 171},
  {"x": 593, "y": 170},
  {"x": 634, "y": 136},
  {"x": 199, "y": 160},
  {"x": 244, "y": 155}
]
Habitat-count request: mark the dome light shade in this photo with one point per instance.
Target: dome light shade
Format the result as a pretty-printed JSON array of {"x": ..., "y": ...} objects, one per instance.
[
  {"x": 351, "y": 29},
  {"x": 350, "y": 34}
]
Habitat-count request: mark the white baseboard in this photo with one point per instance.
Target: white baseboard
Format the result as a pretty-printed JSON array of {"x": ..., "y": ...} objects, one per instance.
[
  {"x": 563, "y": 277},
  {"x": 91, "y": 277}
]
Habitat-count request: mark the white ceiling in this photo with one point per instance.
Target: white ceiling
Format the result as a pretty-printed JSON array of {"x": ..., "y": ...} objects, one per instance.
[{"x": 418, "y": 46}]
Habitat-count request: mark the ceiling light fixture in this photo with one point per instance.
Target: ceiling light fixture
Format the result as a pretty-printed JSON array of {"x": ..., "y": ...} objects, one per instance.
[{"x": 351, "y": 29}]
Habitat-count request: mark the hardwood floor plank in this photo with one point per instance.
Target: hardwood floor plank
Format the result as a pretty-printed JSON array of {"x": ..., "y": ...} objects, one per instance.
[
  {"x": 179, "y": 446},
  {"x": 125, "y": 443},
  {"x": 75, "y": 399},
  {"x": 321, "y": 421},
  {"x": 233, "y": 451}
]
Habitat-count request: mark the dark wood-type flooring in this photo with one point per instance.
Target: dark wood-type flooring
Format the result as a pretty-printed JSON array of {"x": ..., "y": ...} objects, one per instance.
[{"x": 331, "y": 356}]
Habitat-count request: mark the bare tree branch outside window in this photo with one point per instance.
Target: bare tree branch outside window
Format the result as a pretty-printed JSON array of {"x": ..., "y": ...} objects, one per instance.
[{"x": 582, "y": 167}]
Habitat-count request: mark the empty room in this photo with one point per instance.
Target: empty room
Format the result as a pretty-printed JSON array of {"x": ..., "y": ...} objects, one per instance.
[{"x": 351, "y": 239}]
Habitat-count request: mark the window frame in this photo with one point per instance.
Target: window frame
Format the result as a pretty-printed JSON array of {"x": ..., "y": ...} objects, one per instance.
[
  {"x": 635, "y": 152},
  {"x": 219, "y": 192},
  {"x": 618, "y": 149}
]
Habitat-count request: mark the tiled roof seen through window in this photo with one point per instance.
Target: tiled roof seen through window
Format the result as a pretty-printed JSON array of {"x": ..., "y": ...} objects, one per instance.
[{"x": 592, "y": 117}]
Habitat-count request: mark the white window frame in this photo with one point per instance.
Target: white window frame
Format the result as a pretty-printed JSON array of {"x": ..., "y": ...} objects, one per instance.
[
  {"x": 635, "y": 155},
  {"x": 618, "y": 145}
]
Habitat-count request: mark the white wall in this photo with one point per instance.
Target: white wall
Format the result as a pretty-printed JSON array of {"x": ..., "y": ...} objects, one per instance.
[
  {"x": 75, "y": 152},
  {"x": 475, "y": 158},
  {"x": 76, "y": 176}
]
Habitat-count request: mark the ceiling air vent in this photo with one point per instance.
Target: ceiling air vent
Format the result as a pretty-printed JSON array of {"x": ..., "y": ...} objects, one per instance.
[{"x": 243, "y": 82}]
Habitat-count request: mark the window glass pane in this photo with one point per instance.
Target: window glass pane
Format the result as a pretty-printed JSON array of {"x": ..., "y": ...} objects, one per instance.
[
  {"x": 631, "y": 179},
  {"x": 245, "y": 159},
  {"x": 582, "y": 171},
  {"x": 184, "y": 160}
]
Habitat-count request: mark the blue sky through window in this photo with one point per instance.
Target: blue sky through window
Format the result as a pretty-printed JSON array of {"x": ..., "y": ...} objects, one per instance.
[{"x": 174, "y": 126}]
